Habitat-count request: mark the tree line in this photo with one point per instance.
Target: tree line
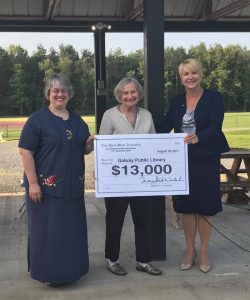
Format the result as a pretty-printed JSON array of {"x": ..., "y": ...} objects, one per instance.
[{"x": 22, "y": 76}]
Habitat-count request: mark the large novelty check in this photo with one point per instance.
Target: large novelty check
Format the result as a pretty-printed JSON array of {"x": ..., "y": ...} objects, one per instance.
[{"x": 141, "y": 165}]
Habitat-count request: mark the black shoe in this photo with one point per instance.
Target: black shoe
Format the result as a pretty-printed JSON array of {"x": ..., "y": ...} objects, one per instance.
[
  {"x": 116, "y": 269},
  {"x": 55, "y": 284},
  {"x": 148, "y": 269}
]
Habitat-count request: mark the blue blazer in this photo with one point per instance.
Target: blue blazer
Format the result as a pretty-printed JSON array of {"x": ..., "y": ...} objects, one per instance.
[{"x": 209, "y": 114}]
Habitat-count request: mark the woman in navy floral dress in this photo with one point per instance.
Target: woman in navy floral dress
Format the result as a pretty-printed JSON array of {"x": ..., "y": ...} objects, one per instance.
[{"x": 52, "y": 145}]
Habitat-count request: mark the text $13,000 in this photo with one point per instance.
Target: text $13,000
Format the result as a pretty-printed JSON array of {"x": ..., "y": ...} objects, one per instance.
[{"x": 135, "y": 170}]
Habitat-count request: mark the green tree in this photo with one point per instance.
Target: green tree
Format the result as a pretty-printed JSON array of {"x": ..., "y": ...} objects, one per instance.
[
  {"x": 35, "y": 77},
  {"x": 84, "y": 70},
  {"x": 172, "y": 59},
  {"x": 68, "y": 59},
  {"x": 17, "y": 54},
  {"x": 19, "y": 97},
  {"x": 48, "y": 65},
  {"x": 238, "y": 68},
  {"x": 22, "y": 76},
  {"x": 19, "y": 60},
  {"x": 119, "y": 66},
  {"x": 5, "y": 74}
]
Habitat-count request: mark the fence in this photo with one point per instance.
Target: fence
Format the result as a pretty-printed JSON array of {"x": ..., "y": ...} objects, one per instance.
[
  {"x": 237, "y": 120},
  {"x": 11, "y": 131}
]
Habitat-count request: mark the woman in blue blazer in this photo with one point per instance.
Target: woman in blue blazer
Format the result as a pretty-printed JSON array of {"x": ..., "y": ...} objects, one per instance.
[{"x": 199, "y": 113}]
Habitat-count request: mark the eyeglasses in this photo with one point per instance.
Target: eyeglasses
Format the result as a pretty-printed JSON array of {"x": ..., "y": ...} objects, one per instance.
[{"x": 57, "y": 91}]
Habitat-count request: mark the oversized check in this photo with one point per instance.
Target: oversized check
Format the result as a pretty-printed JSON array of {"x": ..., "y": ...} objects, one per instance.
[{"x": 141, "y": 165}]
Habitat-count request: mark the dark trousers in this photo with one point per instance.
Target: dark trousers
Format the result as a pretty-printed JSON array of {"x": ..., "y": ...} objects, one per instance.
[{"x": 141, "y": 214}]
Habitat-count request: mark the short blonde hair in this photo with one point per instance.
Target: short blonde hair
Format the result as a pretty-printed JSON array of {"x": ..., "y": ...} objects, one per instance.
[
  {"x": 125, "y": 81},
  {"x": 193, "y": 64}
]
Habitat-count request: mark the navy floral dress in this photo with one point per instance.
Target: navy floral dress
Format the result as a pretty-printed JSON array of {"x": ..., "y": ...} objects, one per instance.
[{"x": 57, "y": 244}]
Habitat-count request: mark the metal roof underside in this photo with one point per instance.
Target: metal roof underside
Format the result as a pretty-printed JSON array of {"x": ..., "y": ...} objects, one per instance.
[{"x": 123, "y": 15}]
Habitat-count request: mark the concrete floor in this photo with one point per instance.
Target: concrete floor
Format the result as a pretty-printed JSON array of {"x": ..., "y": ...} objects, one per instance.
[{"x": 229, "y": 278}]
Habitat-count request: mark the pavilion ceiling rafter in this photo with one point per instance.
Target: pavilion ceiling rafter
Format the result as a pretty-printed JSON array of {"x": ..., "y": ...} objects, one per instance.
[
  {"x": 206, "y": 8},
  {"x": 226, "y": 10},
  {"x": 128, "y": 9},
  {"x": 50, "y": 7},
  {"x": 136, "y": 13}
]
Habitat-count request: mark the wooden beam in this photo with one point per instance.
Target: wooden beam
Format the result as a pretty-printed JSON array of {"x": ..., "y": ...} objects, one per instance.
[
  {"x": 41, "y": 25},
  {"x": 49, "y": 8},
  {"x": 137, "y": 13},
  {"x": 207, "y": 7},
  {"x": 128, "y": 8},
  {"x": 203, "y": 8},
  {"x": 226, "y": 10}
]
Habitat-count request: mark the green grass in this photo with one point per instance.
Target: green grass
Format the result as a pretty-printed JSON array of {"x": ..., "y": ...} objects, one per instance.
[
  {"x": 236, "y": 120},
  {"x": 238, "y": 142},
  {"x": 238, "y": 138},
  {"x": 90, "y": 120},
  {"x": 236, "y": 127},
  {"x": 243, "y": 132},
  {"x": 14, "y": 134}
]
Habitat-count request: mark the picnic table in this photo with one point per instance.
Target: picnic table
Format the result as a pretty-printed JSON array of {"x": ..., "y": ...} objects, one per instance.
[{"x": 235, "y": 177}]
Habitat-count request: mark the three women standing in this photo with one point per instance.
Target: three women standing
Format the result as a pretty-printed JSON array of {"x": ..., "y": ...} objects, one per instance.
[{"x": 52, "y": 145}]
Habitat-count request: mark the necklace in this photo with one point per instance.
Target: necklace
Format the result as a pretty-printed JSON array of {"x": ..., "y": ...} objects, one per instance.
[
  {"x": 64, "y": 114},
  {"x": 130, "y": 116}
]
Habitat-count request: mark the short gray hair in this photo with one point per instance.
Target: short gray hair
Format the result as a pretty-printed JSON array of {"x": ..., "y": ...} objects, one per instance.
[
  {"x": 62, "y": 80},
  {"x": 125, "y": 81}
]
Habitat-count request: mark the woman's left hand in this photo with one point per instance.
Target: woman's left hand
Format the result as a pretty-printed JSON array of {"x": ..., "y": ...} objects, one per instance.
[
  {"x": 191, "y": 139},
  {"x": 89, "y": 146}
]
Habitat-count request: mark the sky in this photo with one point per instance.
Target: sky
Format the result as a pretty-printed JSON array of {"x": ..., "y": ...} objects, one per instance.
[{"x": 128, "y": 42}]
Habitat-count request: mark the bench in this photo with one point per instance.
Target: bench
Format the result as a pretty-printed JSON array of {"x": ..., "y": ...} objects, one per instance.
[
  {"x": 234, "y": 183},
  {"x": 235, "y": 179}
]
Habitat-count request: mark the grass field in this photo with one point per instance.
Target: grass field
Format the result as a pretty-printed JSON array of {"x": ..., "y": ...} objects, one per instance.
[
  {"x": 236, "y": 127},
  {"x": 236, "y": 120}
]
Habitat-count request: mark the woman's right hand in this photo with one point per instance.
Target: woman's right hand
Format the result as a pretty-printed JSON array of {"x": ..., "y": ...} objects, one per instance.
[
  {"x": 35, "y": 192},
  {"x": 191, "y": 139}
]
